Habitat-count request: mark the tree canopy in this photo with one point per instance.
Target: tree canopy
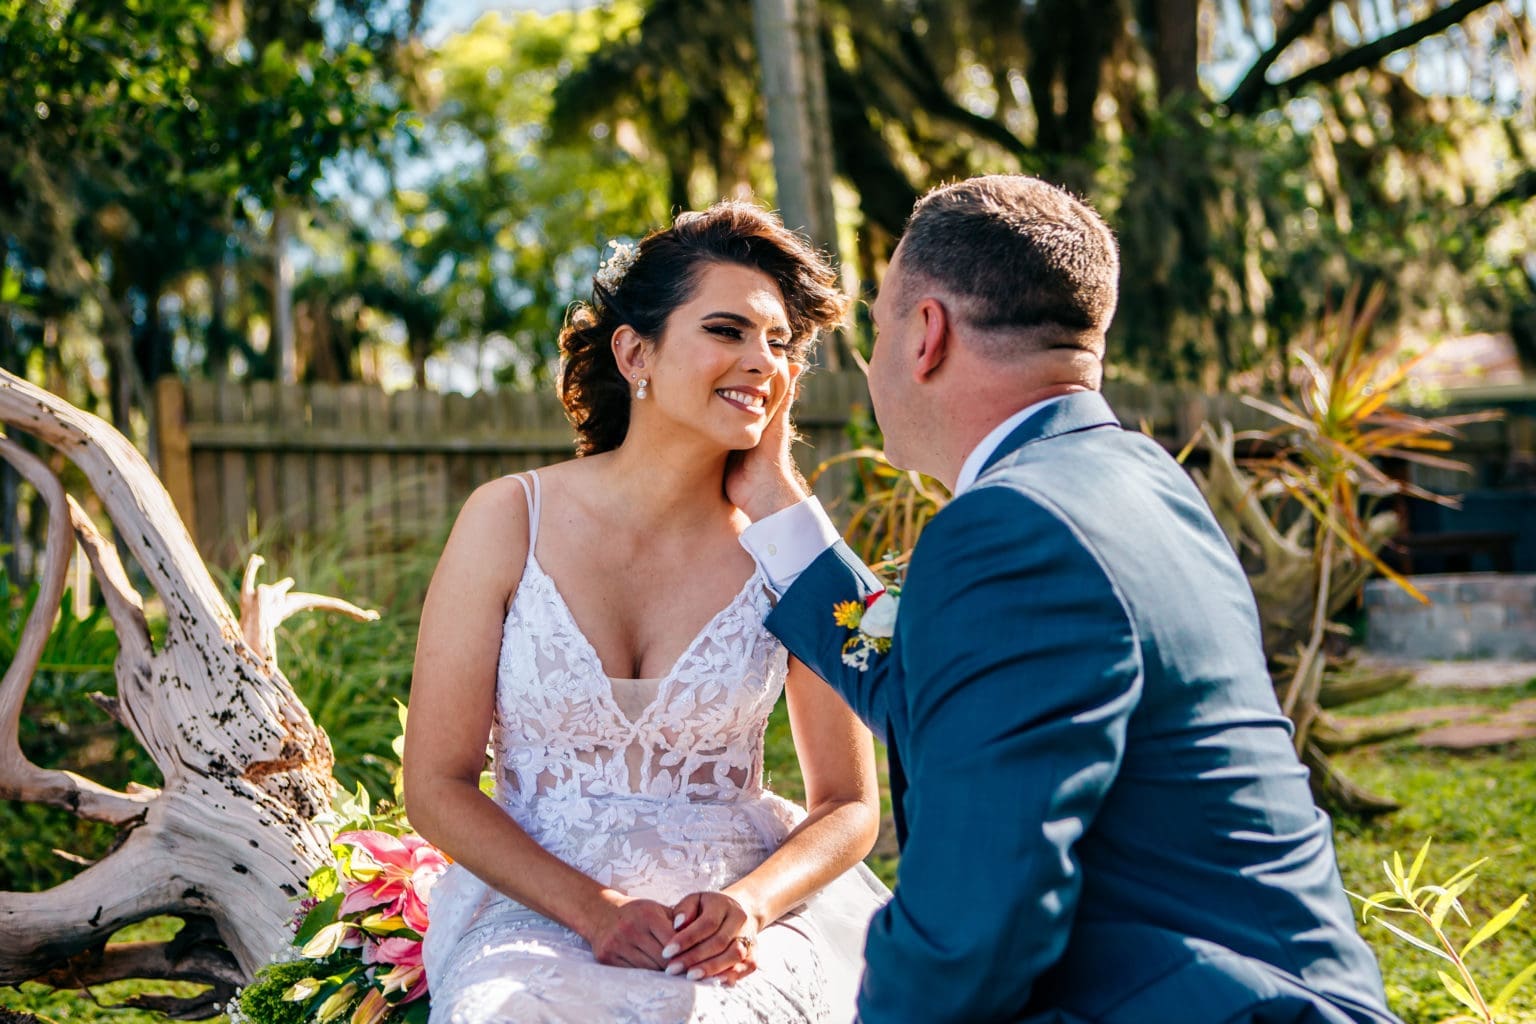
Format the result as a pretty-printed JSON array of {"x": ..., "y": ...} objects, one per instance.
[{"x": 1256, "y": 160}]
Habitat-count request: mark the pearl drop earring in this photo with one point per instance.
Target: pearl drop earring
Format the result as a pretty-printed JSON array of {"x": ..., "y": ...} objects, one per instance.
[{"x": 641, "y": 392}]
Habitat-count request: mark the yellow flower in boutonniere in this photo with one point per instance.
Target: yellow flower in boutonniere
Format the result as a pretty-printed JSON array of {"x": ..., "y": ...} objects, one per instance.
[{"x": 847, "y": 614}]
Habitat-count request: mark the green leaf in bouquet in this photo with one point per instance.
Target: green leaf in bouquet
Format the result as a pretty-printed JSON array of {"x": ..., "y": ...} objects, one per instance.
[
  {"x": 322, "y": 884},
  {"x": 417, "y": 1012},
  {"x": 322, "y": 914}
]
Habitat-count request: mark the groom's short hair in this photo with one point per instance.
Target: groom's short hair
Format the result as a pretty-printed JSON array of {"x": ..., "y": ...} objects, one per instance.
[{"x": 1030, "y": 266}]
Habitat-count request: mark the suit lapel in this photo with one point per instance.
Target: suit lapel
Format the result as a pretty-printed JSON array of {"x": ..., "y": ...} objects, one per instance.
[{"x": 1082, "y": 410}]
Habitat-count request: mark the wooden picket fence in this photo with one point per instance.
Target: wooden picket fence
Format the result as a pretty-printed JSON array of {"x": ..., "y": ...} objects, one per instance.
[
  {"x": 244, "y": 460},
  {"x": 255, "y": 460},
  {"x": 247, "y": 460}
]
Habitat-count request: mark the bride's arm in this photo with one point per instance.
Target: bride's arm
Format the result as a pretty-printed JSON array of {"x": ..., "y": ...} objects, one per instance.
[
  {"x": 837, "y": 760},
  {"x": 453, "y": 690}
]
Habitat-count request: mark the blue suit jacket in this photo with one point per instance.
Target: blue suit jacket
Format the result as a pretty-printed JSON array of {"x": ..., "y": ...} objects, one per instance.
[{"x": 1101, "y": 813}]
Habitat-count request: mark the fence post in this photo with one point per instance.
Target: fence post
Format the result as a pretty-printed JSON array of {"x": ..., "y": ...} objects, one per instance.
[{"x": 175, "y": 448}]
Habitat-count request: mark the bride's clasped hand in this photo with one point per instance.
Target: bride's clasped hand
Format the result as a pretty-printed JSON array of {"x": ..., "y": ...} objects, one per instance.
[{"x": 704, "y": 935}]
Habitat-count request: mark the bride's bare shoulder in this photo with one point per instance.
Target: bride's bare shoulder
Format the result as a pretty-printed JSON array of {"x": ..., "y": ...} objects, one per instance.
[
  {"x": 575, "y": 472},
  {"x": 493, "y": 521}
]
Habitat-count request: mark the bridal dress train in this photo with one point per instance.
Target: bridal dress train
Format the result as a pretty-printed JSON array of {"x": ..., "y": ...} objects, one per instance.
[{"x": 652, "y": 787}]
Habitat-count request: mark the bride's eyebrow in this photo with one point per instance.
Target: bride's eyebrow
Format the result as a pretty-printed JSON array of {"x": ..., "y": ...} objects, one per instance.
[{"x": 778, "y": 329}]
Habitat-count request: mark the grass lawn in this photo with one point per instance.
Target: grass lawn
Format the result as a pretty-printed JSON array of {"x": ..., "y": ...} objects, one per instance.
[{"x": 1474, "y": 805}]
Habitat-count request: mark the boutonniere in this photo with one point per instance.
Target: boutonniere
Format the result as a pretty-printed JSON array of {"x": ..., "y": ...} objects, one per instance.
[{"x": 872, "y": 621}]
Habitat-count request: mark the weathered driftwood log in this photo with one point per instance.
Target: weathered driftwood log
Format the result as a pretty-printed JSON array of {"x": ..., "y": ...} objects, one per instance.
[{"x": 230, "y": 837}]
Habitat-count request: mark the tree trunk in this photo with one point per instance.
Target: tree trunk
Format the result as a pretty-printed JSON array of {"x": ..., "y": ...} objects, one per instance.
[
  {"x": 282, "y": 294},
  {"x": 231, "y": 837},
  {"x": 1174, "y": 28},
  {"x": 795, "y": 92},
  {"x": 799, "y": 123}
]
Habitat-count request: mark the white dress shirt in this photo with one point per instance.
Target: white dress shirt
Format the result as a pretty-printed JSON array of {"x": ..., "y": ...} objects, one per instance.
[{"x": 786, "y": 543}]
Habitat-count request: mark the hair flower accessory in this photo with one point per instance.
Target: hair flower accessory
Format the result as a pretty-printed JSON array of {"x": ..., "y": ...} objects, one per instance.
[
  {"x": 610, "y": 273},
  {"x": 873, "y": 623}
]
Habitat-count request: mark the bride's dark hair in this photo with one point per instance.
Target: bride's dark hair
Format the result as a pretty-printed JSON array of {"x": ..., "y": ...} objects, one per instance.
[{"x": 664, "y": 276}]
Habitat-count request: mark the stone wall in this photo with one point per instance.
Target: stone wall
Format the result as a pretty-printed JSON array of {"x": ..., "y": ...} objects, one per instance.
[{"x": 1471, "y": 615}]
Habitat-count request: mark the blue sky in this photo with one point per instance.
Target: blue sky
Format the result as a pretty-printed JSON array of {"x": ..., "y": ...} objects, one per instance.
[{"x": 445, "y": 17}]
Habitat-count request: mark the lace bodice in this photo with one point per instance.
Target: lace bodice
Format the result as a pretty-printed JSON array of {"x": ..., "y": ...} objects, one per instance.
[
  {"x": 571, "y": 765},
  {"x": 658, "y": 801}
]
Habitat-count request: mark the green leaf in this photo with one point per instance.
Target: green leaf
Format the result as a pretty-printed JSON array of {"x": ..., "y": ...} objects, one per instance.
[
  {"x": 319, "y": 916},
  {"x": 1414, "y": 940},
  {"x": 1458, "y": 990},
  {"x": 1418, "y": 862},
  {"x": 415, "y": 1013},
  {"x": 1495, "y": 924},
  {"x": 1466, "y": 871},
  {"x": 1451, "y": 897},
  {"x": 322, "y": 884},
  {"x": 1501, "y": 1001}
]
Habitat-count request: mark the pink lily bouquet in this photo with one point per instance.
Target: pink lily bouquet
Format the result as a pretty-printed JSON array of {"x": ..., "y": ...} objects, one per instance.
[
  {"x": 359, "y": 940},
  {"x": 356, "y": 951}
]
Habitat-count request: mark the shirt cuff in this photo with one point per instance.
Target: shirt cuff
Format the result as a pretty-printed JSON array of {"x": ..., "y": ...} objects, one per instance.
[{"x": 786, "y": 543}]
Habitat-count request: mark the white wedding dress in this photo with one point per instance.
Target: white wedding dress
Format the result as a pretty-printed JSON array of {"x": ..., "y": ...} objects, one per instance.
[{"x": 658, "y": 801}]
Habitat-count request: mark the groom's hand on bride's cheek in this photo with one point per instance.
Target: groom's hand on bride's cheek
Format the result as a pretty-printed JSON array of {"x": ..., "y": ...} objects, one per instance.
[
  {"x": 633, "y": 934},
  {"x": 762, "y": 480},
  {"x": 716, "y": 938}
]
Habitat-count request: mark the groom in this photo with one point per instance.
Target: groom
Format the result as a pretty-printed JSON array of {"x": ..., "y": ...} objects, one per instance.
[{"x": 1100, "y": 811}]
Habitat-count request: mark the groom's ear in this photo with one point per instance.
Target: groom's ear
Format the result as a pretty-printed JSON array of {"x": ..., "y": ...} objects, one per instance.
[{"x": 933, "y": 345}]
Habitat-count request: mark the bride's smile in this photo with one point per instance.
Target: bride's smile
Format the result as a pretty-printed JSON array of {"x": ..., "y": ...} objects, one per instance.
[{"x": 753, "y": 401}]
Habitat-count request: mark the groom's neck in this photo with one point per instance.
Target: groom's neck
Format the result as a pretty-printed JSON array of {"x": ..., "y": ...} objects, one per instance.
[{"x": 979, "y": 394}]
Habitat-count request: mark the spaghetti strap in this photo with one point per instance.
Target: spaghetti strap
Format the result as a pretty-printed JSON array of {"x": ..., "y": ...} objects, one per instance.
[{"x": 534, "y": 504}]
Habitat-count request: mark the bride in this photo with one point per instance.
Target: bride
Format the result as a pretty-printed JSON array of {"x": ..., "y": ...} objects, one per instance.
[{"x": 600, "y": 623}]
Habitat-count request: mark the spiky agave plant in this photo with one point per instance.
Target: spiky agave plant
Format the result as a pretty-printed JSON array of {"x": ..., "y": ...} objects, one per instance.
[{"x": 1306, "y": 511}]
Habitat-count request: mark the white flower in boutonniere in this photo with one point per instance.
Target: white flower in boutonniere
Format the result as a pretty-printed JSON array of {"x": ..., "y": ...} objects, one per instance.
[{"x": 873, "y": 623}]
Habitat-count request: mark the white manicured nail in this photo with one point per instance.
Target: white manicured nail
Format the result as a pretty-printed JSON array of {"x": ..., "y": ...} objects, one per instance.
[
  {"x": 695, "y": 974},
  {"x": 677, "y": 922},
  {"x": 671, "y": 951},
  {"x": 676, "y": 968}
]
